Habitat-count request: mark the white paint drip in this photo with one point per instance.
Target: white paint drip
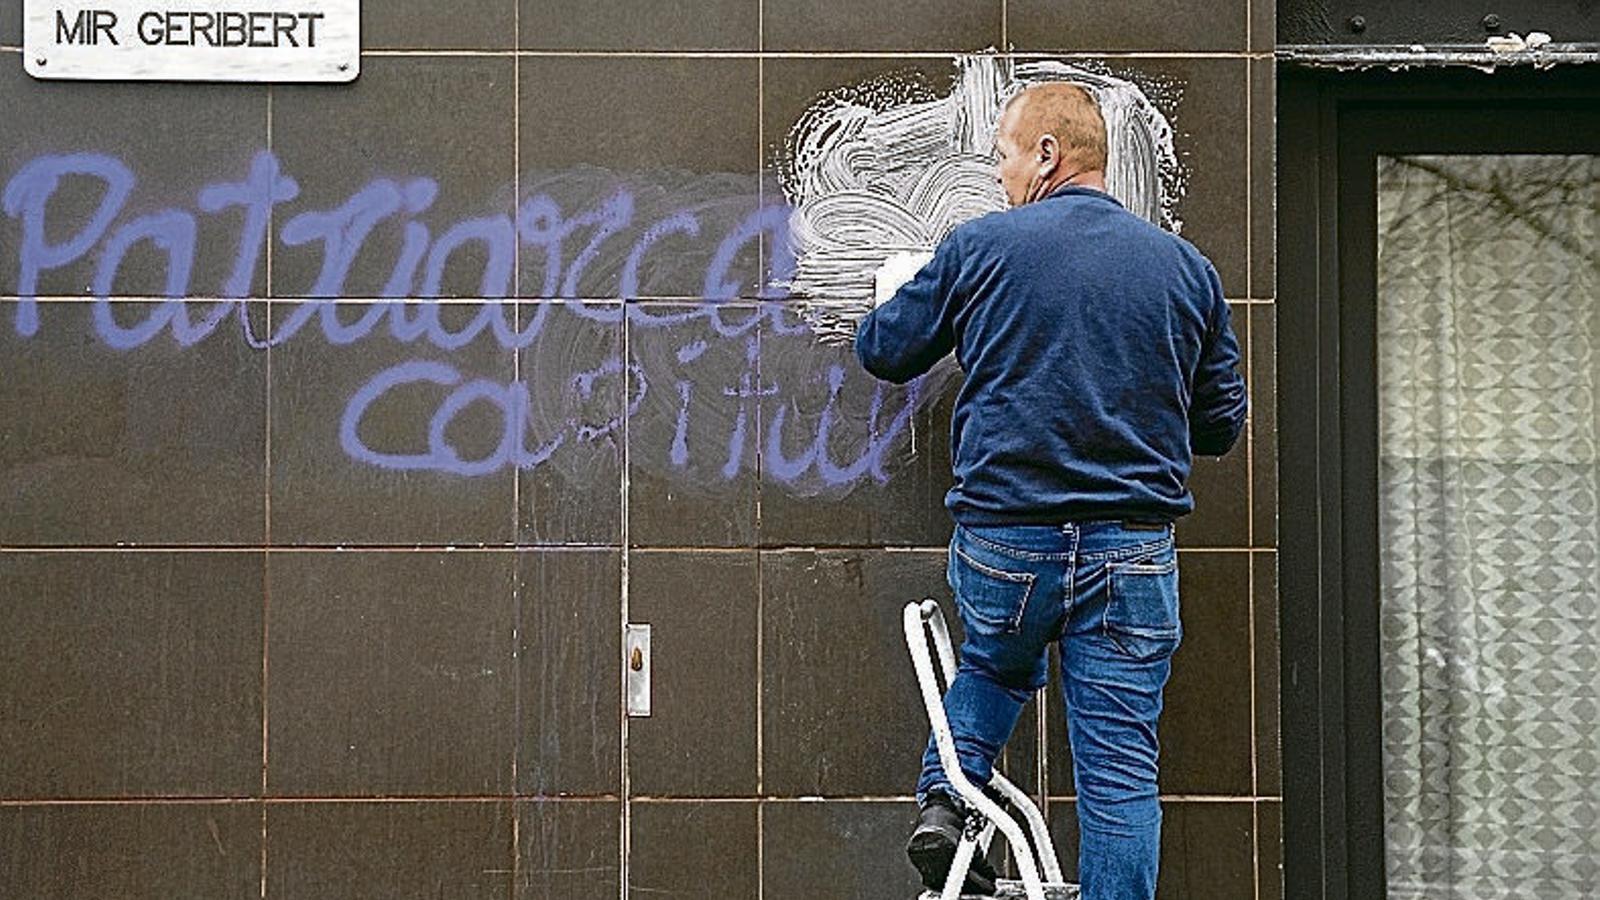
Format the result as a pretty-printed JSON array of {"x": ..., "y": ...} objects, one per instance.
[{"x": 882, "y": 168}]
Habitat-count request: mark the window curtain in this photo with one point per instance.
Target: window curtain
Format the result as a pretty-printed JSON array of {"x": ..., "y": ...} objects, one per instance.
[{"x": 1488, "y": 331}]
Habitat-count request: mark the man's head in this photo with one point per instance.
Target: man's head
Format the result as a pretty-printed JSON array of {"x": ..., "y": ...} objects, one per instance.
[{"x": 1049, "y": 135}]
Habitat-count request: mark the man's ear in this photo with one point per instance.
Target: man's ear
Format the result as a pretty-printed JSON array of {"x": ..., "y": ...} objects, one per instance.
[{"x": 1049, "y": 155}]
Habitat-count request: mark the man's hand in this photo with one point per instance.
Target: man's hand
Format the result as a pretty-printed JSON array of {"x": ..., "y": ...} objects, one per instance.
[{"x": 896, "y": 271}]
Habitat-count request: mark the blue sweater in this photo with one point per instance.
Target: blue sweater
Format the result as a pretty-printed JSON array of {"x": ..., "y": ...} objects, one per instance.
[{"x": 1099, "y": 356}]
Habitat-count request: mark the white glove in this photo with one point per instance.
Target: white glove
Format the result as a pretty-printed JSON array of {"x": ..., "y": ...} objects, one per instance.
[{"x": 896, "y": 271}]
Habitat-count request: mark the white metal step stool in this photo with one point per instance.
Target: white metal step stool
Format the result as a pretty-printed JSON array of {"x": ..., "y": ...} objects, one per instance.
[{"x": 926, "y": 634}]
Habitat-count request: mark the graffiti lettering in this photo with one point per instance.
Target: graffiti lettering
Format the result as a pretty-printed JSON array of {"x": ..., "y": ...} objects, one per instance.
[{"x": 707, "y": 420}]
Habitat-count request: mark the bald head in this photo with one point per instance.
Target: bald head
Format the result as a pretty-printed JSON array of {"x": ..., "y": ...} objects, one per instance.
[
  {"x": 1048, "y": 135},
  {"x": 1065, "y": 110}
]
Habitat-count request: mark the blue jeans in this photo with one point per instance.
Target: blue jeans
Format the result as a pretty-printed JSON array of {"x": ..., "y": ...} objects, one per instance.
[{"x": 1109, "y": 595}]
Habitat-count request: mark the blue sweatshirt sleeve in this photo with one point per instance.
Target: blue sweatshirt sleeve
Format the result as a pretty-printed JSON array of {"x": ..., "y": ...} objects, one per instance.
[
  {"x": 1217, "y": 412},
  {"x": 915, "y": 328}
]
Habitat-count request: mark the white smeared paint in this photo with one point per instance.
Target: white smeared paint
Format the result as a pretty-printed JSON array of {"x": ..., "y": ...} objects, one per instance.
[{"x": 886, "y": 168}]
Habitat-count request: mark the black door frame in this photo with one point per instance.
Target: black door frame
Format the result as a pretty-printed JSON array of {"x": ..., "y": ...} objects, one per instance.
[{"x": 1331, "y": 127}]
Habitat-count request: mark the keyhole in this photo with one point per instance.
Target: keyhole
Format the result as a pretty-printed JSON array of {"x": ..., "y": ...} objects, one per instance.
[{"x": 636, "y": 660}]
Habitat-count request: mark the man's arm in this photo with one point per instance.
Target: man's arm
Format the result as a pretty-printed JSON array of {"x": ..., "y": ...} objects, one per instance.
[
  {"x": 915, "y": 328},
  {"x": 1217, "y": 413}
]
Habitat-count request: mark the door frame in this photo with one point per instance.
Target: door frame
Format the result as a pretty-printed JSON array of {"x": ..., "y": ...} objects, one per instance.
[{"x": 1331, "y": 127}]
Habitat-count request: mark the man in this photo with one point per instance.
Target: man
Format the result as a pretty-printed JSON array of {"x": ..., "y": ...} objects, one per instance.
[{"x": 1099, "y": 357}]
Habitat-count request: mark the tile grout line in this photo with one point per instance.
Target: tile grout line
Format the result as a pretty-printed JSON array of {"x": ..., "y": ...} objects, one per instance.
[
  {"x": 266, "y": 503},
  {"x": 516, "y": 476},
  {"x": 1249, "y": 337},
  {"x": 296, "y": 799},
  {"x": 761, "y": 589},
  {"x": 516, "y": 548},
  {"x": 1250, "y": 431},
  {"x": 516, "y": 269},
  {"x": 1250, "y": 455},
  {"x": 1255, "y": 748},
  {"x": 446, "y": 53},
  {"x": 625, "y": 845},
  {"x": 463, "y": 300},
  {"x": 245, "y": 313}
]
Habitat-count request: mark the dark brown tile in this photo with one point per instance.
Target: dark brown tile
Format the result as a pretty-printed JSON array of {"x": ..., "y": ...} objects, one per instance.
[
  {"x": 839, "y": 711},
  {"x": 700, "y": 737},
  {"x": 639, "y": 114},
  {"x": 876, "y": 455},
  {"x": 405, "y": 851},
  {"x": 130, "y": 674},
  {"x": 1269, "y": 850},
  {"x": 837, "y": 850},
  {"x": 1206, "y": 849},
  {"x": 1211, "y": 144},
  {"x": 1062, "y": 813},
  {"x": 694, "y": 437},
  {"x": 137, "y": 150},
  {"x": 417, "y": 144},
  {"x": 898, "y": 25},
  {"x": 570, "y": 849},
  {"x": 569, "y": 473},
  {"x": 1264, "y": 424},
  {"x": 639, "y": 177},
  {"x": 1263, "y": 25},
  {"x": 117, "y": 433},
  {"x": 390, "y": 673},
  {"x": 569, "y": 672},
  {"x": 143, "y": 851},
  {"x": 620, "y": 25},
  {"x": 1263, "y": 183},
  {"x": 425, "y": 24},
  {"x": 1205, "y": 729},
  {"x": 1221, "y": 501},
  {"x": 1221, "y": 485},
  {"x": 11, "y": 25},
  {"x": 1137, "y": 25},
  {"x": 1269, "y": 756},
  {"x": 693, "y": 850},
  {"x": 354, "y": 456},
  {"x": 1205, "y": 723}
]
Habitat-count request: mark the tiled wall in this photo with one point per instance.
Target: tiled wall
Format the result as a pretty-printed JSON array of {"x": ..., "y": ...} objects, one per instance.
[{"x": 249, "y": 650}]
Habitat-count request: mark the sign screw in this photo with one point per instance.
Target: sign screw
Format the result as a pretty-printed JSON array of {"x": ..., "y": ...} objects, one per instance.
[
  {"x": 1491, "y": 22},
  {"x": 40, "y": 61},
  {"x": 1358, "y": 24},
  {"x": 344, "y": 67}
]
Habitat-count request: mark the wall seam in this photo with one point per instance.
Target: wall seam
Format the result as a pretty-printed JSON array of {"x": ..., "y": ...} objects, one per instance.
[
  {"x": 516, "y": 477},
  {"x": 820, "y": 54},
  {"x": 266, "y": 512},
  {"x": 626, "y": 843}
]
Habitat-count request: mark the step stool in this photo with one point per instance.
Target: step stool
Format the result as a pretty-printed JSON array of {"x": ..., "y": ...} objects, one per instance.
[{"x": 927, "y": 635}]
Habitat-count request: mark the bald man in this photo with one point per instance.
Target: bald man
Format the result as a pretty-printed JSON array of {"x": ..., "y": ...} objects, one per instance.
[{"x": 1099, "y": 359}]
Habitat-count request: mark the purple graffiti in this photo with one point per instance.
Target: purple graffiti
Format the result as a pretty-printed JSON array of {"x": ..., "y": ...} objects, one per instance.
[{"x": 734, "y": 376}]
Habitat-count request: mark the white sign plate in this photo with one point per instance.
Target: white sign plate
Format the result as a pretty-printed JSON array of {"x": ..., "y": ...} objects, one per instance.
[{"x": 193, "y": 40}]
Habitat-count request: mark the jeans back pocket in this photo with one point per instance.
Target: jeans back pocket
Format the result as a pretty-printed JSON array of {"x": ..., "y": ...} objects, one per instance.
[
  {"x": 990, "y": 598},
  {"x": 1142, "y": 614}
]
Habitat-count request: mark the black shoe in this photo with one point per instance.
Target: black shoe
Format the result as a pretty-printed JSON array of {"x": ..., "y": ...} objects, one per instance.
[{"x": 932, "y": 848}]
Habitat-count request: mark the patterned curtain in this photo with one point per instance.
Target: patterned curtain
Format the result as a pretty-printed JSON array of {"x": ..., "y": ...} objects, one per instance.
[{"x": 1489, "y": 342}]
